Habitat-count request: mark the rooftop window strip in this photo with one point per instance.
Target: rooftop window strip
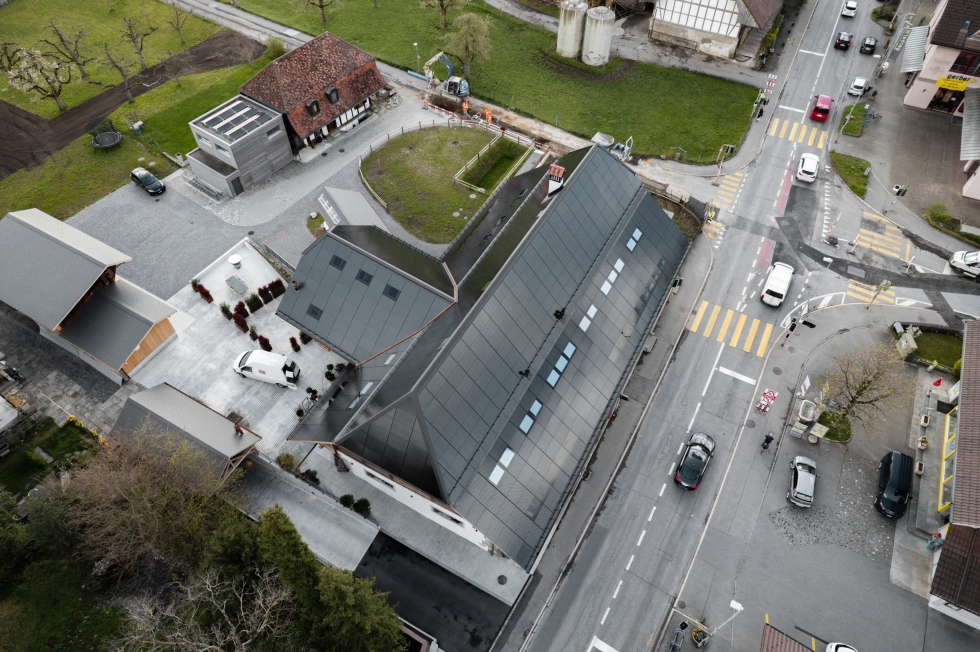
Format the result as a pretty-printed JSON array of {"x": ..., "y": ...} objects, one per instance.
[
  {"x": 637, "y": 234},
  {"x": 631, "y": 245},
  {"x": 569, "y": 350},
  {"x": 613, "y": 275},
  {"x": 553, "y": 377},
  {"x": 561, "y": 364},
  {"x": 606, "y": 286},
  {"x": 496, "y": 474},
  {"x": 591, "y": 311},
  {"x": 619, "y": 265},
  {"x": 507, "y": 456},
  {"x": 585, "y": 323},
  {"x": 535, "y": 407},
  {"x": 526, "y": 424}
]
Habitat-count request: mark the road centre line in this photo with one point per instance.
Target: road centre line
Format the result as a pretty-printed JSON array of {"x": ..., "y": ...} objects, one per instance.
[
  {"x": 691, "y": 425},
  {"x": 650, "y": 517},
  {"x": 711, "y": 375},
  {"x": 603, "y": 621},
  {"x": 680, "y": 448},
  {"x": 672, "y": 464},
  {"x": 751, "y": 274},
  {"x": 789, "y": 108},
  {"x": 640, "y": 540},
  {"x": 662, "y": 489},
  {"x": 818, "y": 54},
  {"x": 618, "y": 586},
  {"x": 737, "y": 376},
  {"x": 630, "y": 562}
]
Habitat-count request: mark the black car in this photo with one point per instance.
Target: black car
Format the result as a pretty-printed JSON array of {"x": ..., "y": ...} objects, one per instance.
[
  {"x": 843, "y": 41},
  {"x": 894, "y": 484},
  {"x": 868, "y": 45},
  {"x": 694, "y": 461},
  {"x": 147, "y": 181}
]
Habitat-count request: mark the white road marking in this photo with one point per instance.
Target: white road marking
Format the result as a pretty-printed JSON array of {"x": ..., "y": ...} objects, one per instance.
[
  {"x": 630, "y": 562},
  {"x": 640, "y": 540},
  {"x": 672, "y": 464},
  {"x": 650, "y": 517},
  {"x": 758, "y": 251},
  {"x": 826, "y": 300},
  {"x": 816, "y": 54},
  {"x": 599, "y": 645},
  {"x": 712, "y": 374},
  {"x": 737, "y": 376},
  {"x": 750, "y": 276},
  {"x": 789, "y": 108},
  {"x": 662, "y": 489},
  {"x": 691, "y": 425},
  {"x": 616, "y": 592},
  {"x": 603, "y": 621}
]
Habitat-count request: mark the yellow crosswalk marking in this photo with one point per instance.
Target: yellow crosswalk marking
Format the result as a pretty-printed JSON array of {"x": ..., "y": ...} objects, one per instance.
[
  {"x": 775, "y": 123},
  {"x": 731, "y": 183},
  {"x": 823, "y": 139},
  {"x": 765, "y": 340},
  {"x": 738, "y": 330},
  {"x": 813, "y": 135},
  {"x": 864, "y": 293},
  {"x": 888, "y": 238},
  {"x": 751, "y": 336},
  {"x": 697, "y": 318},
  {"x": 802, "y": 133},
  {"x": 736, "y": 174},
  {"x": 908, "y": 249},
  {"x": 724, "y": 325},
  {"x": 792, "y": 132},
  {"x": 711, "y": 321},
  {"x": 782, "y": 132},
  {"x": 875, "y": 216}
]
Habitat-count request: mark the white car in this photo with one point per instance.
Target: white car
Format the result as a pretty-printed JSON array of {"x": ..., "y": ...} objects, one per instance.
[
  {"x": 850, "y": 9},
  {"x": 859, "y": 87},
  {"x": 274, "y": 368},
  {"x": 967, "y": 262},
  {"x": 777, "y": 284},
  {"x": 809, "y": 165},
  {"x": 840, "y": 647}
]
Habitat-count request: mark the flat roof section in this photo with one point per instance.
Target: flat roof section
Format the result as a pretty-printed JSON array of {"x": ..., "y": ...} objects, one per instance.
[{"x": 235, "y": 118}]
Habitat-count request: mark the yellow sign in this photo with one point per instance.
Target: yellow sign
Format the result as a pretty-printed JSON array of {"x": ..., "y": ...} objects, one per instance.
[{"x": 954, "y": 82}]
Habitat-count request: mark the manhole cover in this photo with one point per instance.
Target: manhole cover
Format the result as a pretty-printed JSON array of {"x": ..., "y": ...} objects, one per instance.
[
  {"x": 681, "y": 605},
  {"x": 921, "y": 318},
  {"x": 502, "y": 579},
  {"x": 341, "y": 149},
  {"x": 251, "y": 232},
  {"x": 777, "y": 371},
  {"x": 791, "y": 349},
  {"x": 324, "y": 154},
  {"x": 785, "y": 223},
  {"x": 750, "y": 424}
]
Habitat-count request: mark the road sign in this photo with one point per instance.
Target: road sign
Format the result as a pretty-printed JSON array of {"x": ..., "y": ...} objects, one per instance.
[{"x": 805, "y": 386}]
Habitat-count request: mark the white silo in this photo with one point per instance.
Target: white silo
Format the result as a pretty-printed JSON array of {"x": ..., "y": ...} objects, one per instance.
[
  {"x": 598, "y": 36},
  {"x": 571, "y": 27}
]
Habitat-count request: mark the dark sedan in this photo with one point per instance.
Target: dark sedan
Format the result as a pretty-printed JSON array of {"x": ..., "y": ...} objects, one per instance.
[
  {"x": 868, "y": 45},
  {"x": 147, "y": 181},
  {"x": 694, "y": 461},
  {"x": 843, "y": 41}
]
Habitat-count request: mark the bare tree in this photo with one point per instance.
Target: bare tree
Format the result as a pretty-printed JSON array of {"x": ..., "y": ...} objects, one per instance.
[
  {"x": 443, "y": 7},
  {"x": 470, "y": 40},
  {"x": 175, "y": 64},
  {"x": 211, "y": 614},
  {"x": 32, "y": 72},
  {"x": 867, "y": 382},
  {"x": 67, "y": 45},
  {"x": 321, "y": 5},
  {"x": 124, "y": 67},
  {"x": 136, "y": 35},
  {"x": 177, "y": 17},
  {"x": 153, "y": 494}
]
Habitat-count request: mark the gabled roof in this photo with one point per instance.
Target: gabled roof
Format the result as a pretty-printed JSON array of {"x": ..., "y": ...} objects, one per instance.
[
  {"x": 761, "y": 11},
  {"x": 774, "y": 640},
  {"x": 959, "y": 26},
  {"x": 957, "y": 576},
  {"x": 47, "y": 267},
  {"x": 111, "y": 325},
  {"x": 966, "y": 483},
  {"x": 164, "y": 409},
  {"x": 307, "y": 72}
]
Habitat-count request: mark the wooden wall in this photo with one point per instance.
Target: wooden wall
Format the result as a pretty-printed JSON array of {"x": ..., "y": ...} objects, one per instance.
[{"x": 157, "y": 336}]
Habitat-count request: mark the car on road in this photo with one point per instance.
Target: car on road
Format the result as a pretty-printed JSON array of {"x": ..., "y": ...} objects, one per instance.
[
  {"x": 694, "y": 461},
  {"x": 850, "y": 9},
  {"x": 868, "y": 45},
  {"x": 821, "y": 108},
  {"x": 142, "y": 178},
  {"x": 894, "y": 484},
  {"x": 802, "y": 481},
  {"x": 840, "y": 647},
  {"x": 859, "y": 87},
  {"x": 843, "y": 41},
  {"x": 967, "y": 262},
  {"x": 809, "y": 164},
  {"x": 777, "y": 284}
]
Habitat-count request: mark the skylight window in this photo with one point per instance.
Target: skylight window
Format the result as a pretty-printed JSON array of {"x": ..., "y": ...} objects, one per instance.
[
  {"x": 591, "y": 311},
  {"x": 496, "y": 474},
  {"x": 636, "y": 234},
  {"x": 569, "y": 350},
  {"x": 507, "y": 457},
  {"x": 390, "y": 358},
  {"x": 585, "y": 323},
  {"x": 606, "y": 286},
  {"x": 631, "y": 245},
  {"x": 338, "y": 262},
  {"x": 619, "y": 265},
  {"x": 535, "y": 407},
  {"x": 560, "y": 366},
  {"x": 553, "y": 377},
  {"x": 364, "y": 277},
  {"x": 526, "y": 424},
  {"x": 314, "y": 312},
  {"x": 391, "y": 292}
]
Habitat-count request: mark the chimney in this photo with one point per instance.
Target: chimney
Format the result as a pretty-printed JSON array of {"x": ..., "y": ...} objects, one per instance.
[
  {"x": 556, "y": 178},
  {"x": 961, "y": 36}
]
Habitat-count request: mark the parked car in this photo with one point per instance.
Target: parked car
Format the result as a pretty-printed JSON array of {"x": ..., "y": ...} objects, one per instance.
[
  {"x": 850, "y": 9},
  {"x": 967, "y": 262},
  {"x": 894, "y": 484},
  {"x": 809, "y": 165},
  {"x": 868, "y": 45},
  {"x": 777, "y": 284},
  {"x": 694, "y": 461},
  {"x": 142, "y": 178},
  {"x": 859, "y": 87},
  {"x": 268, "y": 367},
  {"x": 802, "y": 481},
  {"x": 843, "y": 41}
]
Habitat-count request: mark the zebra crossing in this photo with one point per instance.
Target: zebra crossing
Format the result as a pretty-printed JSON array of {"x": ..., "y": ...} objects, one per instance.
[
  {"x": 728, "y": 190},
  {"x": 866, "y": 293},
  {"x": 798, "y": 132},
  {"x": 891, "y": 242},
  {"x": 735, "y": 323},
  {"x": 715, "y": 231}
]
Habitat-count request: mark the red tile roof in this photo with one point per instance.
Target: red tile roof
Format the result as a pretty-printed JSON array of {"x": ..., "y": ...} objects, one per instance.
[
  {"x": 960, "y": 21},
  {"x": 774, "y": 640},
  {"x": 307, "y": 72},
  {"x": 761, "y": 10},
  {"x": 966, "y": 487},
  {"x": 957, "y": 577}
]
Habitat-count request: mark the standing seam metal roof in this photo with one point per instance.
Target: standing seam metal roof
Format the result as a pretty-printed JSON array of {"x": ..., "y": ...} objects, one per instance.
[{"x": 966, "y": 487}]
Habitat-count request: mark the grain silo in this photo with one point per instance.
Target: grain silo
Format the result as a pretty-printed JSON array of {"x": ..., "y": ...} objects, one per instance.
[
  {"x": 571, "y": 27},
  {"x": 598, "y": 36}
]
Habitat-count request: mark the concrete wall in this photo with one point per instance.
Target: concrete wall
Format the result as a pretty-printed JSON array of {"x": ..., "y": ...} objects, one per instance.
[
  {"x": 74, "y": 350},
  {"x": 714, "y": 44},
  {"x": 260, "y": 154},
  {"x": 213, "y": 145},
  {"x": 971, "y": 188},
  {"x": 211, "y": 177}
]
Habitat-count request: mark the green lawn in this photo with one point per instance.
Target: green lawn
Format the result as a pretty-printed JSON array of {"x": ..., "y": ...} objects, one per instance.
[
  {"x": 490, "y": 171},
  {"x": 660, "y": 107},
  {"x": 17, "y": 469},
  {"x": 414, "y": 175},
  {"x": 851, "y": 170},
  {"x": 551, "y": 9},
  {"x": 939, "y": 347},
  {"x": 23, "y": 23},
  {"x": 854, "y": 126},
  {"x": 841, "y": 434}
]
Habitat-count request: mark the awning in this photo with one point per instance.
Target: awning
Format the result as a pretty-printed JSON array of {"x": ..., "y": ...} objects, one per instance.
[
  {"x": 915, "y": 49},
  {"x": 970, "y": 138}
]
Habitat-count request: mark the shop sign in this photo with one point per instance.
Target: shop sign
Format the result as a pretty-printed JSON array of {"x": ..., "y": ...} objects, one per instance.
[{"x": 954, "y": 82}]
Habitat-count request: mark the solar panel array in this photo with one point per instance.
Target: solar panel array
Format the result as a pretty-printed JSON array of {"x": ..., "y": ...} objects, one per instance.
[{"x": 236, "y": 120}]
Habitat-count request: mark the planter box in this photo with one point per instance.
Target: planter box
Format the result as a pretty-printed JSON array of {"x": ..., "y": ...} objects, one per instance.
[{"x": 808, "y": 411}]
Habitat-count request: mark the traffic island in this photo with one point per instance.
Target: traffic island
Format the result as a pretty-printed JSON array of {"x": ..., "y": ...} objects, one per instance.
[{"x": 851, "y": 170}]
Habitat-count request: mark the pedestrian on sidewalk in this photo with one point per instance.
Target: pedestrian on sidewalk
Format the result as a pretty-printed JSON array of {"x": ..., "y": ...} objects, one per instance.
[
  {"x": 935, "y": 542},
  {"x": 758, "y": 117}
]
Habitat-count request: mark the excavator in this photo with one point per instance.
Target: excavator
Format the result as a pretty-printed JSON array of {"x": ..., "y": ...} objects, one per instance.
[{"x": 456, "y": 86}]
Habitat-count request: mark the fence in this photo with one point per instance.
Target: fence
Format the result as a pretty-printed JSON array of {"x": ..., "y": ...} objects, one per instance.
[{"x": 282, "y": 265}]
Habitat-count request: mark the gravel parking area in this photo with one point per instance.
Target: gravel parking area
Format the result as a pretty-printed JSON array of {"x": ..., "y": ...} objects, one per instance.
[{"x": 851, "y": 522}]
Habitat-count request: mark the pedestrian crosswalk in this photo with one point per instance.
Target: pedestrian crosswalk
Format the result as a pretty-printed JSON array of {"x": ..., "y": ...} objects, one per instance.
[
  {"x": 727, "y": 194},
  {"x": 883, "y": 237},
  {"x": 866, "y": 293},
  {"x": 732, "y": 325},
  {"x": 715, "y": 231},
  {"x": 798, "y": 132}
]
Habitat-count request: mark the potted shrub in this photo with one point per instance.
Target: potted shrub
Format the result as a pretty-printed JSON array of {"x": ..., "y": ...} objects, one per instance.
[
  {"x": 340, "y": 368},
  {"x": 254, "y": 334},
  {"x": 240, "y": 309},
  {"x": 264, "y": 343},
  {"x": 203, "y": 291},
  {"x": 254, "y": 302},
  {"x": 300, "y": 413},
  {"x": 304, "y": 338},
  {"x": 293, "y": 343},
  {"x": 347, "y": 500},
  {"x": 277, "y": 287},
  {"x": 194, "y": 283},
  {"x": 226, "y": 310},
  {"x": 240, "y": 323},
  {"x": 266, "y": 294},
  {"x": 286, "y": 461},
  {"x": 362, "y": 506}
]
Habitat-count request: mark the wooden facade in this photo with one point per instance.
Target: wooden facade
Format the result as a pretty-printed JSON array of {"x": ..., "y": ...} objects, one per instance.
[{"x": 160, "y": 333}]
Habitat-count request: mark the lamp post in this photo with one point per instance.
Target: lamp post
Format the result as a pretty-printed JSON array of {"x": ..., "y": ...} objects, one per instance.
[
  {"x": 738, "y": 609},
  {"x": 417, "y": 57}
]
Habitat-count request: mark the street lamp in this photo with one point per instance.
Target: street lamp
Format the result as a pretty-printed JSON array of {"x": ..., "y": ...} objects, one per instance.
[
  {"x": 417, "y": 57},
  {"x": 738, "y": 609}
]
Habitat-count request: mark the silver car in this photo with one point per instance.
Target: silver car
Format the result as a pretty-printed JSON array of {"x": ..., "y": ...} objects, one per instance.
[
  {"x": 802, "y": 481},
  {"x": 859, "y": 87},
  {"x": 849, "y": 9}
]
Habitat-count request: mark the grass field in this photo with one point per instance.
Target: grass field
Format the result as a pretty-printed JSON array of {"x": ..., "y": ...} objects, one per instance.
[
  {"x": 414, "y": 175},
  {"x": 939, "y": 347},
  {"x": 660, "y": 107},
  {"x": 23, "y": 23},
  {"x": 851, "y": 170},
  {"x": 80, "y": 175},
  {"x": 490, "y": 171},
  {"x": 854, "y": 126}
]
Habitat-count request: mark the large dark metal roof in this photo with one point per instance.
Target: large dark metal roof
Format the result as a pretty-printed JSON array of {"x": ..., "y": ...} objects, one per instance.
[
  {"x": 957, "y": 576},
  {"x": 966, "y": 482}
]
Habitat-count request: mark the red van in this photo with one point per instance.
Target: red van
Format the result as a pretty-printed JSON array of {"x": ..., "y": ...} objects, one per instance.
[{"x": 821, "y": 108}]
